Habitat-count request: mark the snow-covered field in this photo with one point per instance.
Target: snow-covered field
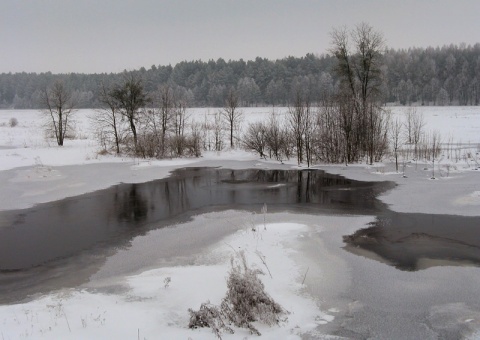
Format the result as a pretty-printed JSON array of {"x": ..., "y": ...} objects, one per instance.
[{"x": 34, "y": 170}]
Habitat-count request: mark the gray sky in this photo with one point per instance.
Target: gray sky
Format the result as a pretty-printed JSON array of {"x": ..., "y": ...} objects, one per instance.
[{"x": 112, "y": 35}]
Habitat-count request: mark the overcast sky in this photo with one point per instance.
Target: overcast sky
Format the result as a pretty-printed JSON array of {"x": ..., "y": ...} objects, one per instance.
[{"x": 94, "y": 36}]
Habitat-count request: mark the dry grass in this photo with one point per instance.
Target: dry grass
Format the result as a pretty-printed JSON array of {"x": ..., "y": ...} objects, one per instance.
[{"x": 245, "y": 302}]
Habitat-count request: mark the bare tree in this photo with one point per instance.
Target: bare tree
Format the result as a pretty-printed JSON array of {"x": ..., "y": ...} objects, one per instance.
[
  {"x": 299, "y": 122},
  {"x": 180, "y": 116},
  {"x": 435, "y": 145},
  {"x": 59, "y": 107},
  {"x": 218, "y": 131},
  {"x": 255, "y": 138},
  {"x": 417, "y": 128},
  {"x": 107, "y": 119},
  {"x": 396, "y": 139},
  {"x": 275, "y": 137},
  {"x": 165, "y": 115},
  {"x": 195, "y": 140},
  {"x": 231, "y": 114},
  {"x": 409, "y": 117},
  {"x": 131, "y": 98},
  {"x": 348, "y": 124},
  {"x": 359, "y": 69},
  {"x": 330, "y": 143},
  {"x": 309, "y": 134}
]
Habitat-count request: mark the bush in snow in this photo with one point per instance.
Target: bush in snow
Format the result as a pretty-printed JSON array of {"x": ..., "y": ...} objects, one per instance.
[
  {"x": 245, "y": 302},
  {"x": 210, "y": 316},
  {"x": 13, "y": 122}
]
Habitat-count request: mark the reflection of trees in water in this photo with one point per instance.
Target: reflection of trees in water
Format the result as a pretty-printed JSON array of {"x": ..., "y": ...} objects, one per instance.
[
  {"x": 300, "y": 186},
  {"x": 303, "y": 186},
  {"x": 132, "y": 206},
  {"x": 150, "y": 202},
  {"x": 267, "y": 176},
  {"x": 176, "y": 196},
  {"x": 191, "y": 189}
]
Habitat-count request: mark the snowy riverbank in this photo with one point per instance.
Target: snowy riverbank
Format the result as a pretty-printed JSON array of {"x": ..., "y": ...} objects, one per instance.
[{"x": 324, "y": 287}]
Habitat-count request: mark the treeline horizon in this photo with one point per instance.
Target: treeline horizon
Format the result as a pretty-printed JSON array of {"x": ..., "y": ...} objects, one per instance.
[{"x": 448, "y": 75}]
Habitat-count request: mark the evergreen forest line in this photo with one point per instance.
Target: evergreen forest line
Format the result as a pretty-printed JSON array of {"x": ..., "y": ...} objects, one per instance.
[{"x": 448, "y": 75}]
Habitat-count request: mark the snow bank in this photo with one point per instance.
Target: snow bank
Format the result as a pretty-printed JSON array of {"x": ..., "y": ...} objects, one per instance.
[
  {"x": 152, "y": 309},
  {"x": 453, "y": 193}
]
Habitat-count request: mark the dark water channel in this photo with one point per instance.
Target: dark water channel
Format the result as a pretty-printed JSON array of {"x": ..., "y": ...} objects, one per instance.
[
  {"x": 33, "y": 242},
  {"x": 46, "y": 232},
  {"x": 418, "y": 241}
]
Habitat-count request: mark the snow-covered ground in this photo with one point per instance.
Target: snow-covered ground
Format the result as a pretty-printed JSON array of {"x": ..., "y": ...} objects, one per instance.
[
  {"x": 33, "y": 170},
  {"x": 152, "y": 309}
]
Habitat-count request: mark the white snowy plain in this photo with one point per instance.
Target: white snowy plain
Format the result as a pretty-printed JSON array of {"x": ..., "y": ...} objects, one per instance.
[{"x": 35, "y": 170}]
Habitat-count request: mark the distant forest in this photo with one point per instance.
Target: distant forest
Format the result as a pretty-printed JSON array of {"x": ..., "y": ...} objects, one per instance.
[{"x": 449, "y": 75}]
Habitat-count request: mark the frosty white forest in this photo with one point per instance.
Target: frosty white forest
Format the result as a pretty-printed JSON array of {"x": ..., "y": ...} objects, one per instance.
[{"x": 447, "y": 75}]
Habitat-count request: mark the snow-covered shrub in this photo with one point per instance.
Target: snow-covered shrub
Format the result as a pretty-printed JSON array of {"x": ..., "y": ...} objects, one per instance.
[
  {"x": 166, "y": 281},
  {"x": 13, "y": 122},
  {"x": 209, "y": 316},
  {"x": 245, "y": 302}
]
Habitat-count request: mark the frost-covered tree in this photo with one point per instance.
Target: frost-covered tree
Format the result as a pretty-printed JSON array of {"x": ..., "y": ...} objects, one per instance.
[
  {"x": 275, "y": 92},
  {"x": 442, "y": 97},
  {"x": 248, "y": 91}
]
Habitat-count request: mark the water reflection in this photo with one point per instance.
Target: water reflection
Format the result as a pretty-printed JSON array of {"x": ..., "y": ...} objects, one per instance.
[
  {"x": 131, "y": 206},
  {"x": 47, "y": 232}
]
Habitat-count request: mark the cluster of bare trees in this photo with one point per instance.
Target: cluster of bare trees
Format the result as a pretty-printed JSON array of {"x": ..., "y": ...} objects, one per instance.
[
  {"x": 410, "y": 141},
  {"x": 271, "y": 138},
  {"x": 359, "y": 56},
  {"x": 350, "y": 124},
  {"x": 149, "y": 125},
  {"x": 223, "y": 128},
  {"x": 318, "y": 134},
  {"x": 157, "y": 124},
  {"x": 145, "y": 124}
]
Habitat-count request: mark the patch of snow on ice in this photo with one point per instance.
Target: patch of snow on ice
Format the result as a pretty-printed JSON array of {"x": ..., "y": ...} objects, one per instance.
[{"x": 470, "y": 199}]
